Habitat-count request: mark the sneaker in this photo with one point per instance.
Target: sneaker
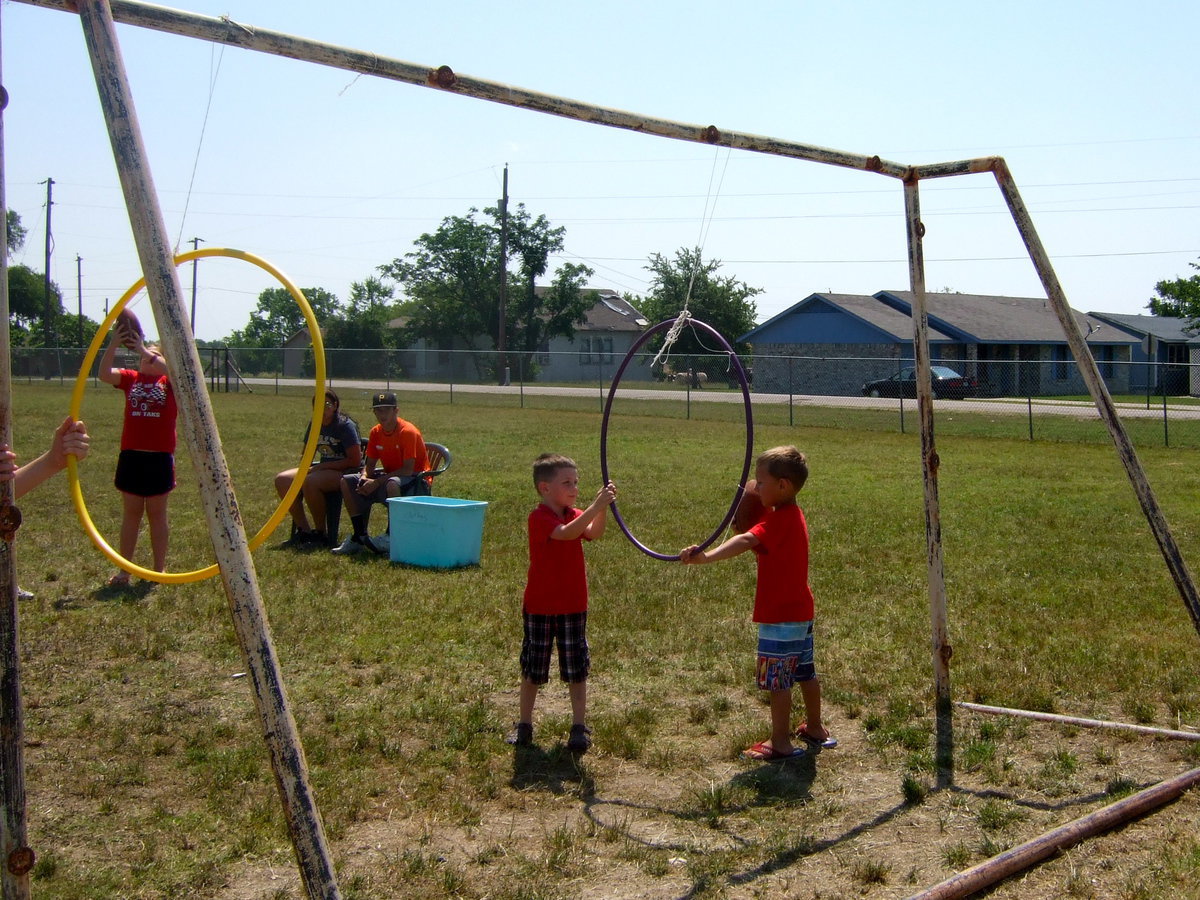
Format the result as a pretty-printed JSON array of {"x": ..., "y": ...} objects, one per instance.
[
  {"x": 521, "y": 736},
  {"x": 580, "y": 739},
  {"x": 316, "y": 539},
  {"x": 349, "y": 546},
  {"x": 298, "y": 540},
  {"x": 23, "y": 594},
  {"x": 382, "y": 544}
]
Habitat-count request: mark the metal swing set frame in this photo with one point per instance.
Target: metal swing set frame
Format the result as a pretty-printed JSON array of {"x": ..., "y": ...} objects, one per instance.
[{"x": 228, "y": 535}]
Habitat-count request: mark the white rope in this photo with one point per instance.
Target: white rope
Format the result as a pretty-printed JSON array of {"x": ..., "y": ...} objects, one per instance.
[
  {"x": 672, "y": 336},
  {"x": 710, "y": 207},
  {"x": 212, "y": 87}
]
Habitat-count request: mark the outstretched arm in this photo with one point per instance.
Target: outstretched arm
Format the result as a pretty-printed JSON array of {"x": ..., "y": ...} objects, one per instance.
[
  {"x": 739, "y": 543},
  {"x": 106, "y": 371},
  {"x": 591, "y": 521},
  {"x": 70, "y": 438}
]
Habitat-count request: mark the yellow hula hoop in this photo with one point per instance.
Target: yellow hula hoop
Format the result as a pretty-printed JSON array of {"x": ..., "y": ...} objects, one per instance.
[{"x": 314, "y": 431}]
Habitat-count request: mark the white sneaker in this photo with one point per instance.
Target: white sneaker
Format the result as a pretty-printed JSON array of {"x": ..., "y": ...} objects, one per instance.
[{"x": 348, "y": 547}]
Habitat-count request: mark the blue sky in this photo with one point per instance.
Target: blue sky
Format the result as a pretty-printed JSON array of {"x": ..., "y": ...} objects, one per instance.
[{"x": 327, "y": 174}]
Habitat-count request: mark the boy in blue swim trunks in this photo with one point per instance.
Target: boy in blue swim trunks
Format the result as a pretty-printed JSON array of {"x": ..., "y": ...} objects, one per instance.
[{"x": 783, "y": 602}]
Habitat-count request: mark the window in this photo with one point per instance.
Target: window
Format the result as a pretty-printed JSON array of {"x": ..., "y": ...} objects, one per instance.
[
  {"x": 1106, "y": 362},
  {"x": 1061, "y": 358},
  {"x": 595, "y": 350}
]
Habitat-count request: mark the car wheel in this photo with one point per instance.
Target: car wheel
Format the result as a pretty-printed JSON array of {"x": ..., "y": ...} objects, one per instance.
[{"x": 874, "y": 392}]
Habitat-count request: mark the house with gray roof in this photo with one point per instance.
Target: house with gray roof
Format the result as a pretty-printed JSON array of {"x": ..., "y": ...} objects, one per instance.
[
  {"x": 834, "y": 343},
  {"x": 609, "y": 329},
  {"x": 1164, "y": 346}
]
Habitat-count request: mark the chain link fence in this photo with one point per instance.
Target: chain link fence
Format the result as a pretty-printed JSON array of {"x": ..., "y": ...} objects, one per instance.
[{"x": 1031, "y": 399}]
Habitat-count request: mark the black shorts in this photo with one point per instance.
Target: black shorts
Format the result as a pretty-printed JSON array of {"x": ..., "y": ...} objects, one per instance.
[{"x": 145, "y": 473}]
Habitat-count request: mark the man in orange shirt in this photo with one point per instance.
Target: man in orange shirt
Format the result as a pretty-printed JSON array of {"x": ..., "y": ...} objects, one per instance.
[{"x": 395, "y": 459}]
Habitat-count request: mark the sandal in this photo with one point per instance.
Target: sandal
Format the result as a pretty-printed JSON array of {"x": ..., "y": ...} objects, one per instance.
[
  {"x": 120, "y": 580},
  {"x": 826, "y": 743},
  {"x": 522, "y": 735},
  {"x": 764, "y": 752},
  {"x": 580, "y": 739}
]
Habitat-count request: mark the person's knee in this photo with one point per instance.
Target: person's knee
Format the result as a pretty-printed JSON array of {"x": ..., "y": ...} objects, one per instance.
[{"x": 284, "y": 480}]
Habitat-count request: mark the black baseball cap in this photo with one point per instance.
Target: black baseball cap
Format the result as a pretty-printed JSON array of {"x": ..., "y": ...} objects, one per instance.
[{"x": 383, "y": 398}]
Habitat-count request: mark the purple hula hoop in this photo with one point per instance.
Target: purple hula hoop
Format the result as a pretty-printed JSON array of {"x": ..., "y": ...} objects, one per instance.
[{"x": 612, "y": 392}]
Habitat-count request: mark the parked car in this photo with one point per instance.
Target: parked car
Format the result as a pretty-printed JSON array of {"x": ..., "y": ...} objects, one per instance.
[{"x": 946, "y": 383}]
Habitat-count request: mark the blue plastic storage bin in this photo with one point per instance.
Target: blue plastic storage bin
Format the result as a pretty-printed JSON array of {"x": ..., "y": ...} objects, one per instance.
[{"x": 436, "y": 532}]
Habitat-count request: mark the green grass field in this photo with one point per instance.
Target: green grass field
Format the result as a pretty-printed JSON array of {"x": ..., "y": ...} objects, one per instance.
[{"x": 146, "y": 769}]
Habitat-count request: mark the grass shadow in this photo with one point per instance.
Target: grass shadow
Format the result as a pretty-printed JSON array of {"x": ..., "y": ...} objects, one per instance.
[
  {"x": 783, "y": 782},
  {"x": 124, "y": 593},
  {"x": 557, "y": 770}
]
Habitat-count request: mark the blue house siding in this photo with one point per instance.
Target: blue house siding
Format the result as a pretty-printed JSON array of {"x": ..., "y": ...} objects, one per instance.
[
  {"x": 1013, "y": 345},
  {"x": 832, "y": 344}
]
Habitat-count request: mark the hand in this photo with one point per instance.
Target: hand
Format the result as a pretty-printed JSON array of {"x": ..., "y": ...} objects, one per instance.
[
  {"x": 607, "y": 494},
  {"x": 8, "y": 463},
  {"x": 691, "y": 555},
  {"x": 366, "y": 484},
  {"x": 70, "y": 438}
]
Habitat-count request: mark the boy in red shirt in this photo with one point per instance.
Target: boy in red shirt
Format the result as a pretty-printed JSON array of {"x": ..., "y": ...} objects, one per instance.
[
  {"x": 556, "y": 594},
  {"x": 783, "y": 602}
]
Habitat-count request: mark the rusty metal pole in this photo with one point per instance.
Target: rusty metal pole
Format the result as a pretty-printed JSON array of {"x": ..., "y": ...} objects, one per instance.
[
  {"x": 16, "y": 859},
  {"x": 1053, "y": 842},
  {"x": 200, "y": 430},
  {"x": 1184, "y": 582},
  {"x": 940, "y": 644},
  {"x": 225, "y": 31},
  {"x": 1170, "y": 734}
]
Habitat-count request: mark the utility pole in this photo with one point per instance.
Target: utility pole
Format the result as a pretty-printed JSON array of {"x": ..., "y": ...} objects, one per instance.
[
  {"x": 501, "y": 341},
  {"x": 48, "y": 315},
  {"x": 79, "y": 288},
  {"x": 195, "y": 246}
]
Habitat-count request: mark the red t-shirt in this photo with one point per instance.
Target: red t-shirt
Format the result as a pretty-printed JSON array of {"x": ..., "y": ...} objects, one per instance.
[
  {"x": 402, "y": 444},
  {"x": 150, "y": 412},
  {"x": 782, "y": 593},
  {"x": 557, "y": 580}
]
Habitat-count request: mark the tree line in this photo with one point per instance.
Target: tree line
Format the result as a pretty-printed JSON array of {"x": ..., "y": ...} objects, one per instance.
[{"x": 446, "y": 291}]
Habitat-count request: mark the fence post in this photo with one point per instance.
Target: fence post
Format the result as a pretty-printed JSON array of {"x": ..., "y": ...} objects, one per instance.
[
  {"x": 1029, "y": 405},
  {"x": 791, "y": 416},
  {"x": 521, "y": 379},
  {"x": 1166, "y": 427}
]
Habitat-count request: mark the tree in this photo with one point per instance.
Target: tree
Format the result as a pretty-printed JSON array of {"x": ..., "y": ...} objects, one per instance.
[
  {"x": 452, "y": 281},
  {"x": 27, "y": 297},
  {"x": 15, "y": 230},
  {"x": 724, "y": 303},
  {"x": 363, "y": 321},
  {"x": 1180, "y": 297},
  {"x": 534, "y": 319},
  {"x": 277, "y": 317}
]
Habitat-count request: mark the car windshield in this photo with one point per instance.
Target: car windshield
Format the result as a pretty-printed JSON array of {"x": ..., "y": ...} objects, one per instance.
[{"x": 944, "y": 372}]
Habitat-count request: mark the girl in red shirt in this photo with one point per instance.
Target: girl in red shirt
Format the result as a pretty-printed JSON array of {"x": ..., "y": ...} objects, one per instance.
[{"x": 146, "y": 466}]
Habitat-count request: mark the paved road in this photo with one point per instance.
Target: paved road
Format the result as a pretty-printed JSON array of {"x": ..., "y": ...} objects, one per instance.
[{"x": 1000, "y": 405}]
